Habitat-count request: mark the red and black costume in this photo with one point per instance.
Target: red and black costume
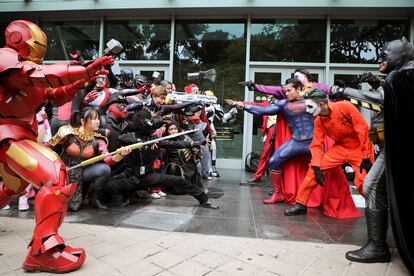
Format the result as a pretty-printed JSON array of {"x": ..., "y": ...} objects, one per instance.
[
  {"x": 24, "y": 87},
  {"x": 77, "y": 146}
]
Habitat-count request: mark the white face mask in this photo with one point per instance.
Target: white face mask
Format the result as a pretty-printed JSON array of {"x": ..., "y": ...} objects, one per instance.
[
  {"x": 312, "y": 107},
  {"x": 301, "y": 77}
]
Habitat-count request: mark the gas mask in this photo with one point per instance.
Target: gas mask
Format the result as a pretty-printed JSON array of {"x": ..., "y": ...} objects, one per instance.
[
  {"x": 119, "y": 110},
  {"x": 143, "y": 123}
]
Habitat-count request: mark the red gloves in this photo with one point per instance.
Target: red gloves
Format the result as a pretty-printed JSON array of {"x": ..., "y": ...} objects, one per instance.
[{"x": 95, "y": 68}]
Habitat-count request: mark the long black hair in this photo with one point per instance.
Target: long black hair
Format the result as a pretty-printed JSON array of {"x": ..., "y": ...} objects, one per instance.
[
  {"x": 86, "y": 113},
  {"x": 172, "y": 123}
]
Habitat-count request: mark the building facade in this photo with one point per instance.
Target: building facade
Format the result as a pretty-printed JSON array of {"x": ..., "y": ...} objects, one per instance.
[{"x": 259, "y": 40}]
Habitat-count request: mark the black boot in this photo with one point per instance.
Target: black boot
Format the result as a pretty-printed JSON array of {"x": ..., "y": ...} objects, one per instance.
[
  {"x": 376, "y": 250},
  {"x": 97, "y": 204},
  {"x": 297, "y": 209},
  {"x": 211, "y": 204}
]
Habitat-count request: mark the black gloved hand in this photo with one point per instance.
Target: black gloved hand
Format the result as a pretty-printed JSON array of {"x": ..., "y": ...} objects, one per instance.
[
  {"x": 336, "y": 92},
  {"x": 251, "y": 86},
  {"x": 365, "y": 165},
  {"x": 318, "y": 175}
]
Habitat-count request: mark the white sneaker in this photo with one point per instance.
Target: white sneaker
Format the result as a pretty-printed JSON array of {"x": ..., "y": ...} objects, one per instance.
[
  {"x": 7, "y": 207},
  {"x": 155, "y": 196},
  {"x": 161, "y": 193},
  {"x": 23, "y": 204}
]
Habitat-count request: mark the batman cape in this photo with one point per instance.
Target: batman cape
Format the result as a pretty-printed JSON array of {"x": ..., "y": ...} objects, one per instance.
[{"x": 398, "y": 119}]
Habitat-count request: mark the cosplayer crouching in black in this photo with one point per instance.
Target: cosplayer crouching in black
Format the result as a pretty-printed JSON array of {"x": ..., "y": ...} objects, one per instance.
[
  {"x": 181, "y": 156},
  {"x": 139, "y": 172}
]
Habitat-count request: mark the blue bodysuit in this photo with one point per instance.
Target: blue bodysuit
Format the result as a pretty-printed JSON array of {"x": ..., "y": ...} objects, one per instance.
[{"x": 300, "y": 123}]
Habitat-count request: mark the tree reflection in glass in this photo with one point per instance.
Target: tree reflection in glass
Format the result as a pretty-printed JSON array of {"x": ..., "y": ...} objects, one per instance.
[
  {"x": 67, "y": 37},
  {"x": 360, "y": 41},
  {"x": 202, "y": 45},
  {"x": 288, "y": 40},
  {"x": 141, "y": 39}
]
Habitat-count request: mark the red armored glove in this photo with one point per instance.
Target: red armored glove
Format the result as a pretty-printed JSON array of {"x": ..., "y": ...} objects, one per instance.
[
  {"x": 79, "y": 84},
  {"x": 95, "y": 68}
]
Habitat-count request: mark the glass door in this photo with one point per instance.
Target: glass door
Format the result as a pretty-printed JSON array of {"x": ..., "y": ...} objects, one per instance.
[{"x": 266, "y": 76}]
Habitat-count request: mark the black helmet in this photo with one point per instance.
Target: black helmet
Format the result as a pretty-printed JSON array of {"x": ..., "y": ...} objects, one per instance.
[
  {"x": 396, "y": 53},
  {"x": 127, "y": 74},
  {"x": 115, "y": 98},
  {"x": 140, "y": 79},
  {"x": 164, "y": 83}
]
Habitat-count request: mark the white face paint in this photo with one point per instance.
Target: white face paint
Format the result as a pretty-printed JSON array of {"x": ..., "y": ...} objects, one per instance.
[
  {"x": 301, "y": 77},
  {"x": 312, "y": 107}
]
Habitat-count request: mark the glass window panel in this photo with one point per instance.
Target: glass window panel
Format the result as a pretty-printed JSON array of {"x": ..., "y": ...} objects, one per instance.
[
  {"x": 64, "y": 38},
  {"x": 202, "y": 45},
  {"x": 350, "y": 80},
  {"x": 288, "y": 40},
  {"x": 267, "y": 79},
  {"x": 360, "y": 41},
  {"x": 141, "y": 39}
]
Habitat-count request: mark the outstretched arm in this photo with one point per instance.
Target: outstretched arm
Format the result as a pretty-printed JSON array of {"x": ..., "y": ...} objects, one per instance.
[
  {"x": 174, "y": 107},
  {"x": 56, "y": 75},
  {"x": 262, "y": 110},
  {"x": 368, "y": 96},
  {"x": 64, "y": 94},
  {"x": 277, "y": 91}
]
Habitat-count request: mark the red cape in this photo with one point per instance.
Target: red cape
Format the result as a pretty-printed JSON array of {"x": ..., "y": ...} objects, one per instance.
[{"x": 335, "y": 196}]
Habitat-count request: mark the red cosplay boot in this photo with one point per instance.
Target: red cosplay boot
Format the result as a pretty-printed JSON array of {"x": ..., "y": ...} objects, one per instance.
[
  {"x": 47, "y": 250},
  {"x": 277, "y": 196}
]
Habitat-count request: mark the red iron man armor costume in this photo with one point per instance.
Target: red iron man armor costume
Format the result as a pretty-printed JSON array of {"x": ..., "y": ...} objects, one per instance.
[{"x": 24, "y": 87}]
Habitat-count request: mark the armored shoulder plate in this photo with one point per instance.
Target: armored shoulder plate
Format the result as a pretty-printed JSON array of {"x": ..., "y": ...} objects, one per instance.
[
  {"x": 62, "y": 133},
  {"x": 9, "y": 59}
]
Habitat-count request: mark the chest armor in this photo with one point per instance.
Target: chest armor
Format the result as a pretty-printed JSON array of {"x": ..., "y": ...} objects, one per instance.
[{"x": 74, "y": 150}]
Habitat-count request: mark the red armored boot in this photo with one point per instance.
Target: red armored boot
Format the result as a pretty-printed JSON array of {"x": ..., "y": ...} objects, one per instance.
[
  {"x": 277, "y": 195},
  {"x": 47, "y": 250}
]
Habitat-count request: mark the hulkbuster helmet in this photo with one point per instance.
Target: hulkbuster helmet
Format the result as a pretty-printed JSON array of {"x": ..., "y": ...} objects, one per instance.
[
  {"x": 27, "y": 39},
  {"x": 396, "y": 53}
]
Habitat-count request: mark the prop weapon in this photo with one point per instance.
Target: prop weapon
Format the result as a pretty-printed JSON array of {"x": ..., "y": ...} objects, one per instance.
[{"x": 139, "y": 145}]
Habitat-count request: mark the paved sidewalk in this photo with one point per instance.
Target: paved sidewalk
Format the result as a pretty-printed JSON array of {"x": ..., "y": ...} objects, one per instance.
[{"x": 130, "y": 251}]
